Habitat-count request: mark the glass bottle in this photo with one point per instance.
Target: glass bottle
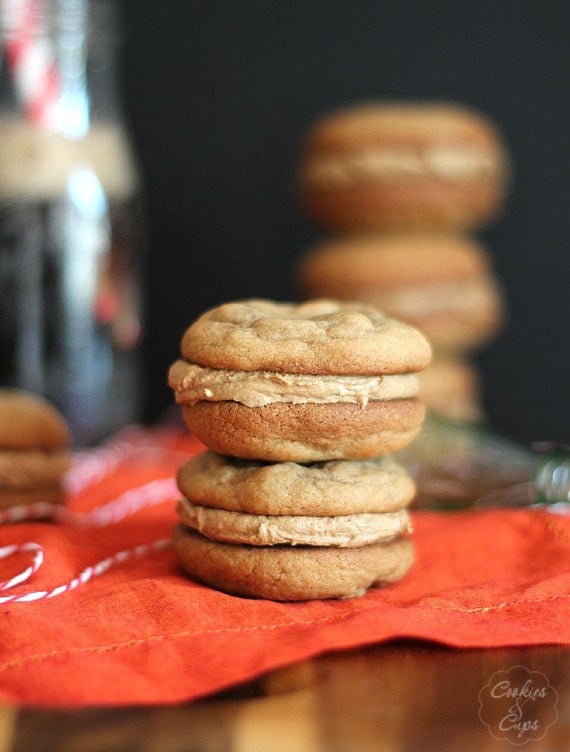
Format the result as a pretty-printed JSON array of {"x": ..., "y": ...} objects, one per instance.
[
  {"x": 70, "y": 217},
  {"x": 460, "y": 465}
]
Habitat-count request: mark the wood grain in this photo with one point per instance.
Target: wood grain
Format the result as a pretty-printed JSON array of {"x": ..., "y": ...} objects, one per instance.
[
  {"x": 7, "y": 726},
  {"x": 404, "y": 696}
]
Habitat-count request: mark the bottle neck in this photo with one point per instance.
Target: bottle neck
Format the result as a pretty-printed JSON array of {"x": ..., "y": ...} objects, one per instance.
[
  {"x": 70, "y": 52},
  {"x": 59, "y": 56},
  {"x": 41, "y": 144}
]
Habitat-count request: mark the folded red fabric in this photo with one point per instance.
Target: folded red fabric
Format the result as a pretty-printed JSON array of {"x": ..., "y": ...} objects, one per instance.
[{"x": 136, "y": 630}]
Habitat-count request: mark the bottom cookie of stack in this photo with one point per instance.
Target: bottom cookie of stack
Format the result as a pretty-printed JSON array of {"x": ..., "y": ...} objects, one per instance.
[{"x": 291, "y": 573}]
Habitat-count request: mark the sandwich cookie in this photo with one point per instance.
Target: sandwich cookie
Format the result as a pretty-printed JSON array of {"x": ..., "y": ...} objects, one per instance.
[
  {"x": 34, "y": 450},
  {"x": 305, "y": 382},
  {"x": 440, "y": 283},
  {"x": 393, "y": 165}
]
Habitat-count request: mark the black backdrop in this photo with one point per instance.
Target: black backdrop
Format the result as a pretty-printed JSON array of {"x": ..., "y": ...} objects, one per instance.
[{"x": 218, "y": 96}]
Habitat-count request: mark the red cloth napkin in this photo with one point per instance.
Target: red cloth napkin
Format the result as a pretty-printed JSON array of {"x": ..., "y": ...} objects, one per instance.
[{"x": 142, "y": 632}]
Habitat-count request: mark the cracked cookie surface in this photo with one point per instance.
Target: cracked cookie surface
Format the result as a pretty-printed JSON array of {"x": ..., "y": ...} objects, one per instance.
[
  {"x": 336, "y": 487},
  {"x": 319, "y": 336}
]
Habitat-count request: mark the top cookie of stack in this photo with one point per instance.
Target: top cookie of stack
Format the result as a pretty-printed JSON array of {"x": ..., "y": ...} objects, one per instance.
[
  {"x": 317, "y": 381},
  {"x": 385, "y": 166}
]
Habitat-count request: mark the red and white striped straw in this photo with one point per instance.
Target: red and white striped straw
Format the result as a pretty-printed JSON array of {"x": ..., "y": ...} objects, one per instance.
[{"x": 30, "y": 57}]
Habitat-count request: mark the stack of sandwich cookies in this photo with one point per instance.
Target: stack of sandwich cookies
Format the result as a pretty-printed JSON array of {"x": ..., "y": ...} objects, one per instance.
[
  {"x": 291, "y": 503},
  {"x": 290, "y": 531},
  {"x": 402, "y": 182},
  {"x": 34, "y": 450}
]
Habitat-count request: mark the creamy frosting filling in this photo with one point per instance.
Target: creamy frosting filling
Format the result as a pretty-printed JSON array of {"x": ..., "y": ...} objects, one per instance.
[
  {"x": 469, "y": 297},
  {"x": 451, "y": 163},
  {"x": 343, "y": 531},
  {"x": 192, "y": 383}
]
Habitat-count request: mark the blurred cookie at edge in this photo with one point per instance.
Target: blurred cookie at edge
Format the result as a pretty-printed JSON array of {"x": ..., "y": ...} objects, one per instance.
[
  {"x": 34, "y": 450},
  {"x": 450, "y": 388},
  {"x": 440, "y": 283},
  {"x": 396, "y": 164}
]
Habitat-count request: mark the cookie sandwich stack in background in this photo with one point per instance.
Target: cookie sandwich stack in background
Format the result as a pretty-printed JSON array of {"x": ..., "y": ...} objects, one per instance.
[
  {"x": 398, "y": 187},
  {"x": 301, "y": 408},
  {"x": 34, "y": 450}
]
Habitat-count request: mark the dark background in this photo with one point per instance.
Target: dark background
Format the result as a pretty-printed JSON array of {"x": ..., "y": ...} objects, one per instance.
[{"x": 218, "y": 96}]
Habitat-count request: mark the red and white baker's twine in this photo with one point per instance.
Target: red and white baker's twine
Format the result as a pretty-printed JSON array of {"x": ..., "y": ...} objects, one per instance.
[
  {"x": 88, "y": 468},
  {"x": 30, "y": 58}
]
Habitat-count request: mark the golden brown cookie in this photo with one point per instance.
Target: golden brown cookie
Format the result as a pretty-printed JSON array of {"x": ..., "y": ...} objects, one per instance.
[
  {"x": 291, "y": 573},
  {"x": 287, "y": 488},
  {"x": 396, "y": 164},
  {"x": 440, "y": 283},
  {"x": 314, "y": 337},
  {"x": 28, "y": 421},
  {"x": 305, "y": 433},
  {"x": 341, "y": 531},
  {"x": 14, "y": 497},
  {"x": 34, "y": 454}
]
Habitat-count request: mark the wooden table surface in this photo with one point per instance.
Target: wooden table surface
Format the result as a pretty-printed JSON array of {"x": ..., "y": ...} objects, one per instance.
[{"x": 396, "y": 696}]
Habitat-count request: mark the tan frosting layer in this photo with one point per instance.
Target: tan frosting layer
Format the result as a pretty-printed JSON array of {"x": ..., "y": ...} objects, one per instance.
[
  {"x": 468, "y": 296},
  {"x": 381, "y": 163},
  {"x": 192, "y": 383},
  {"x": 343, "y": 531}
]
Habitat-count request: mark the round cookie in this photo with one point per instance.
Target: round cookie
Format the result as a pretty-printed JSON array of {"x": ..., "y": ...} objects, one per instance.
[
  {"x": 440, "y": 283},
  {"x": 397, "y": 164},
  {"x": 34, "y": 454},
  {"x": 341, "y": 531},
  {"x": 28, "y": 421},
  {"x": 288, "y": 488},
  {"x": 291, "y": 573},
  {"x": 305, "y": 432},
  {"x": 314, "y": 337}
]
